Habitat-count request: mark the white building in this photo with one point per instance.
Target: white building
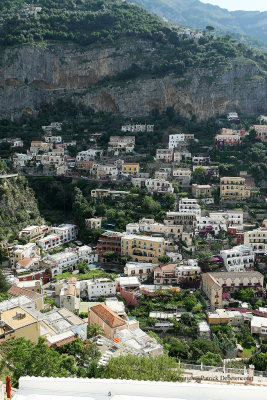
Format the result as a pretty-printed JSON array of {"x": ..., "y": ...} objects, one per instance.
[
  {"x": 21, "y": 160},
  {"x": 94, "y": 288},
  {"x": 233, "y": 218},
  {"x": 61, "y": 320},
  {"x": 201, "y": 160},
  {"x": 53, "y": 139},
  {"x": 189, "y": 206},
  {"x": 185, "y": 271},
  {"x": 214, "y": 224},
  {"x": 65, "y": 260},
  {"x": 158, "y": 186},
  {"x": 145, "y": 224},
  {"x": 259, "y": 326},
  {"x": 137, "y": 128},
  {"x": 141, "y": 270},
  {"x": 232, "y": 116},
  {"x": 257, "y": 240},
  {"x": 57, "y": 126},
  {"x": 238, "y": 259},
  {"x": 182, "y": 175},
  {"x": 175, "y": 140},
  {"x": 162, "y": 174},
  {"x": 18, "y": 142},
  {"x": 89, "y": 155},
  {"x": 107, "y": 170},
  {"x": 132, "y": 228},
  {"x": 50, "y": 242},
  {"x": 68, "y": 232},
  {"x": 93, "y": 223},
  {"x": 203, "y": 329}
]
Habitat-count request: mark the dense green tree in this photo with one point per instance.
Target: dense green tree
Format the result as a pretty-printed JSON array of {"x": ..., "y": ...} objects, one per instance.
[
  {"x": 210, "y": 359},
  {"x": 259, "y": 361},
  {"x": 4, "y": 286},
  {"x": 93, "y": 331},
  {"x": 82, "y": 266},
  {"x": 151, "y": 205},
  {"x": 164, "y": 259},
  {"x": 199, "y": 175},
  {"x": 177, "y": 348},
  {"x": 83, "y": 353},
  {"x": 200, "y": 347},
  {"x": 110, "y": 255},
  {"x": 190, "y": 302},
  {"x": 95, "y": 234},
  {"x": 28, "y": 358},
  {"x": 204, "y": 258},
  {"x": 245, "y": 294},
  {"x": 159, "y": 368}
]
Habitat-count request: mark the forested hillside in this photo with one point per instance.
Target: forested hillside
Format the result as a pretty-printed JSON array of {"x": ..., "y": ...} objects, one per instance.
[
  {"x": 114, "y": 56},
  {"x": 194, "y": 13},
  {"x": 87, "y": 22},
  {"x": 18, "y": 206}
]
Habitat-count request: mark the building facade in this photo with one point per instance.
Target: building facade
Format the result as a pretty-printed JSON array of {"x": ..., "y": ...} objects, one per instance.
[
  {"x": 233, "y": 188},
  {"x": 143, "y": 248}
]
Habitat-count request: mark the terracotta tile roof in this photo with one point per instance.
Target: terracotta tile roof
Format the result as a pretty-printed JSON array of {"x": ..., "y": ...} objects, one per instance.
[
  {"x": 166, "y": 267},
  {"x": 211, "y": 280},
  {"x": 62, "y": 342},
  {"x": 24, "y": 262},
  {"x": 108, "y": 316},
  {"x": 16, "y": 291},
  {"x": 131, "y": 163}
]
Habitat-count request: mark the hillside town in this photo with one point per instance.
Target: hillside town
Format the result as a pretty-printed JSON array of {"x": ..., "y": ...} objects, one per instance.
[
  {"x": 194, "y": 274},
  {"x": 133, "y": 200}
]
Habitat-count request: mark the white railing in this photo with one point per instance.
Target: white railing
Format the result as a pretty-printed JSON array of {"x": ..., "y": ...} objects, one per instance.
[{"x": 225, "y": 370}]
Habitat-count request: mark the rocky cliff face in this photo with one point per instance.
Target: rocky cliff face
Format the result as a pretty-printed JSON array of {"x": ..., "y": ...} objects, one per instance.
[
  {"x": 31, "y": 76},
  {"x": 18, "y": 206}
]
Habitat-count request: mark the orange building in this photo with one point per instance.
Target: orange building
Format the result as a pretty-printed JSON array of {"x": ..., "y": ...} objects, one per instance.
[{"x": 106, "y": 319}]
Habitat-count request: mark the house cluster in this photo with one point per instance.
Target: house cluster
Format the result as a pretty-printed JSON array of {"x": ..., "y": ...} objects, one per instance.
[
  {"x": 46, "y": 254},
  {"x": 29, "y": 10},
  {"x": 48, "y": 154},
  {"x": 14, "y": 143},
  {"x": 255, "y": 320},
  {"x": 137, "y": 128},
  {"x": 22, "y": 315},
  {"x": 233, "y": 137},
  {"x": 110, "y": 316},
  {"x": 191, "y": 33},
  {"x": 98, "y": 171},
  {"x": 121, "y": 144}
]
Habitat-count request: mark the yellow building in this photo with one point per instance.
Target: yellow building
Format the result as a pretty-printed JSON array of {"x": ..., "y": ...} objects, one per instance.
[
  {"x": 174, "y": 231},
  {"x": 233, "y": 188},
  {"x": 130, "y": 168},
  {"x": 143, "y": 248},
  {"x": 212, "y": 289},
  {"x": 218, "y": 317},
  {"x": 257, "y": 240},
  {"x": 17, "y": 323}
]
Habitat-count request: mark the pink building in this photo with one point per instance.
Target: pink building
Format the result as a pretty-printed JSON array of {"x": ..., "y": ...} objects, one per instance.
[{"x": 165, "y": 155}]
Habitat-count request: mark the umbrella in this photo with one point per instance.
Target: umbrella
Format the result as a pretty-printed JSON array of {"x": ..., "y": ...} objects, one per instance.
[{"x": 8, "y": 387}]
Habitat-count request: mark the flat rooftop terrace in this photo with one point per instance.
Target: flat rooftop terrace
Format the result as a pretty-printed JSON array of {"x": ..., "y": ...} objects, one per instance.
[{"x": 105, "y": 389}]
